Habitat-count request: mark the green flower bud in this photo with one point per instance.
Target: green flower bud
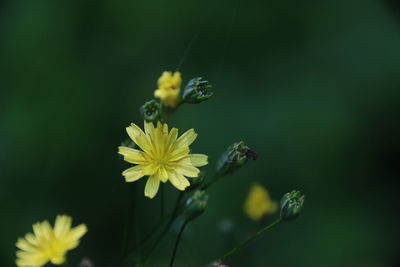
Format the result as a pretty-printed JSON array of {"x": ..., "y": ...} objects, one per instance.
[
  {"x": 195, "y": 205},
  {"x": 197, "y": 91},
  {"x": 291, "y": 205},
  {"x": 197, "y": 182},
  {"x": 234, "y": 158},
  {"x": 151, "y": 111}
]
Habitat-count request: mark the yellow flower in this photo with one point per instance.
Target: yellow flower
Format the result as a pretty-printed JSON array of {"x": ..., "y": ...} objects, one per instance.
[
  {"x": 259, "y": 203},
  {"x": 47, "y": 243},
  {"x": 163, "y": 157},
  {"x": 169, "y": 87}
]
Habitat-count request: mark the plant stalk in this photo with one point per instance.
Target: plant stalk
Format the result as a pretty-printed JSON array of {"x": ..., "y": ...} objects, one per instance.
[{"x": 249, "y": 240}]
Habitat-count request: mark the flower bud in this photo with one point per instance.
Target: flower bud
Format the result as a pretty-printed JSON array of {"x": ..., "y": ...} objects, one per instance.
[
  {"x": 86, "y": 262},
  {"x": 234, "y": 158},
  {"x": 151, "y": 111},
  {"x": 197, "y": 91},
  {"x": 219, "y": 264},
  {"x": 195, "y": 205},
  {"x": 198, "y": 181},
  {"x": 291, "y": 205}
]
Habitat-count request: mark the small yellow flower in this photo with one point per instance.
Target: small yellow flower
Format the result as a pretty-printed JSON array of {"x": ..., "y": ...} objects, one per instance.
[
  {"x": 164, "y": 157},
  {"x": 259, "y": 203},
  {"x": 169, "y": 87},
  {"x": 47, "y": 243}
]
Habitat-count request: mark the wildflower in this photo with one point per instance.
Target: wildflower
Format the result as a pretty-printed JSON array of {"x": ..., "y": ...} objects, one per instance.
[
  {"x": 196, "y": 91},
  {"x": 47, "y": 243},
  {"x": 291, "y": 205},
  {"x": 163, "y": 157},
  {"x": 169, "y": 87},
  {"x": 259, "y": 203}
]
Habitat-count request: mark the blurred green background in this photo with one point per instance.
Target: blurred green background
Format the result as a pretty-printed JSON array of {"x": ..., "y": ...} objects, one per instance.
[{"x": 312, "y": 86}]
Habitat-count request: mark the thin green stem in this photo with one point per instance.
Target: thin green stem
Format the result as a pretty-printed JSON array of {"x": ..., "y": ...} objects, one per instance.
[
  {"x": 249, "y": 240},
  {"x": 174, "y": 214},
  {"x": 131, "y": 213},
  {"x": 212, "y": 181},
  {"x": 178, "y": 239},
  {"x": 162, "y": 202}
]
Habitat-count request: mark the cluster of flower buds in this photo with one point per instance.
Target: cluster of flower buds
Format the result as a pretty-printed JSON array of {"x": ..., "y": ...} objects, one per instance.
[
  {"x": 291, "y": 205},
  {"x": 151, "y": 111},
  {"x": 234, "y": 158},
  {"x": 195, "y": 205},
  {"x": 196, "y": 91}
]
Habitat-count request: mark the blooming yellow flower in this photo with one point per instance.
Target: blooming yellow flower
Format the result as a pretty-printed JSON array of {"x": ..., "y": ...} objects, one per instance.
[
  {"x": 163, "y": 157},
  {"x": 169, "y": 87},
  {"x": 47, "y": 243},
  {"x": 259, "y": 203}
]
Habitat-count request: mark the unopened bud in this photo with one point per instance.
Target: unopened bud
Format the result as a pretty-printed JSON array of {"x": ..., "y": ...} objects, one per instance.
[
  {"x": 197, "y": 182},
  {"x": 234, "y": 158},
  {"x": 291, "y": 205},
  {"x": 195, "y": 205},
  {"x": 196, "y": 91},
  {"x": 86, "y": 262},
  {"x": 151, "y": 111}
]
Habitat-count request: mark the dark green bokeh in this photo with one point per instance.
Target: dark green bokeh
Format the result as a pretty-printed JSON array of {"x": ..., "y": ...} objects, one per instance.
[{"x": 312, "y": 86}]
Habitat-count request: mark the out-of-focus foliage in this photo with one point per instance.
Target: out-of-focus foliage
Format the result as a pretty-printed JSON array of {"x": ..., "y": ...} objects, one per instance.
[{"x": 312, "y": 86}]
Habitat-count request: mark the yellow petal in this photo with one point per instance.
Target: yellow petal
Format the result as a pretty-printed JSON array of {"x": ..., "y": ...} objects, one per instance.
[
  {"x": 163, "y": 174},
  {"x": 131, "y": 155},
  {"x": 198, "y": 160},
  {"x": 144, "y": 143},
  {"x": 178, "y": 180},
  {"x": 57, "y": 260},
  {"x": 75, "y": 234},
  {"x": 172, "y": 136},
  {"x": 179, "y": 153},
  {"x": 127, "y": 151},
  {"x": 187, "y": 170},
  {"x": 31, "y": 239},
  {"x": 134, "y": 131},
  {"x": 151, "y": 187},
  {"x": 134, "y": 173},
  {"x": 62, "y": 225},
  {"x": 25, "y": 245},
  {"x": 186, "y": 139},
  {"x": 148, "y": 128}
]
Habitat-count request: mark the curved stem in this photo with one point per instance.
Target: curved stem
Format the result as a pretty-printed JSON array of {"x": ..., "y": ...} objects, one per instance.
[
  {"x": 249, "y": 240},
  {"x": 178, "y": 239}
]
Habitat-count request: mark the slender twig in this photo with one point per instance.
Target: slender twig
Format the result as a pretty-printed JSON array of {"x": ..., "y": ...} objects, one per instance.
[
  {"x": 249, "y": 240},
  {"x": 178, "y": 239}
]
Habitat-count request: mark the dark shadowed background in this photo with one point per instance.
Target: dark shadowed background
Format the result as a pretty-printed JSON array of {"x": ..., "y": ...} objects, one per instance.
[{"x": 312, "y": 86}]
